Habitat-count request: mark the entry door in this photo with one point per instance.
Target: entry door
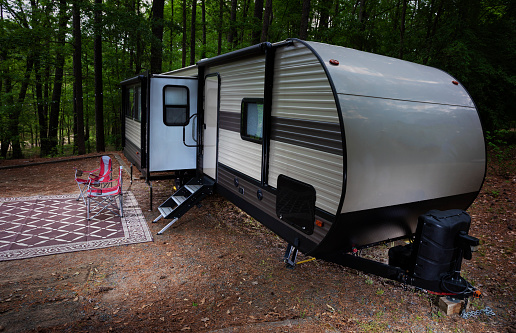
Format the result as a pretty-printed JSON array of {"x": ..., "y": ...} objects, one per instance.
[
  {"x": 210, "y": 131},
  {"x": 172, "y": 106}
]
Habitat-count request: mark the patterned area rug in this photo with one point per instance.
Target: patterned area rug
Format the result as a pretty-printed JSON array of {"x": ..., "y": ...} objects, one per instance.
[{"x": 43, "y": 225}]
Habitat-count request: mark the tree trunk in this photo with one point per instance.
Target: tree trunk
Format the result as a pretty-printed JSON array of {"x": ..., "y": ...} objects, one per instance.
[
  {"x": 232, "y": 23},
  {"x": 139, "y": 44},
  {"x": 203, "y": 54},
  {"x": 305, "y": 15},
  {"x": 183, "y": 44},
  {"x": 172, "y": 28},
  {"x": 192, "y": 32},
  {"x": 257, "y": 21},
  {"x": 9, "y": 101},
  {"x": 14, "y": 116},
  {"x": 77, "y": 85},
  {"x": 362, "y": 21},
  {"x": 42, "y": 116},
  {"x": 266, "y": 21},
  {"x": 157, "y": 36},
  {"x": 99, "y": 90},
  {"x": 3, "y": 99},
  {"x": 53, "y": 119},
  {"x": 324, "y": 20},
  {"x": 402, "y": 28},
  {"x": 244, "y": 19},
  {"x": 219, "y": 27}
]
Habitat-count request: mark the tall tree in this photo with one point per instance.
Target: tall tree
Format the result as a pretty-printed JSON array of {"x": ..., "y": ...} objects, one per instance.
[
  {"x": 183, "y": 43},
  {"x": 192, "y": 32},
  {"x": 172, "y": 30},
  {"x": 219, "y": 27},
  {"x": 232, "y": 23},
  {"x": 324, "y": 7},
  {"x": 158, "y": 7},
  {"x": 242, "y": 31},
  {"x": 42, "y": 116},
  {"x": 305, "y": 15},
  {"x": 266, "y": 20},
  {"x": 402, "y": 28},
  {"x": 257, "y": 22},
  {"x": 53, "y": 119},
  {"x": 77, "y": 84},
  {"x": 99, "y": 88},
  {"x": 203, "y": 54}
]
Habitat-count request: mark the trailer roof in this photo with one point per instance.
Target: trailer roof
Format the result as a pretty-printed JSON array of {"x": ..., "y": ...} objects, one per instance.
[{"x": 366, "y": 74}]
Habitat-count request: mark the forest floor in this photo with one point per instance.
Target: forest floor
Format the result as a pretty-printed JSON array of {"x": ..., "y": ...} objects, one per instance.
[{"x": 218, "y": 270}]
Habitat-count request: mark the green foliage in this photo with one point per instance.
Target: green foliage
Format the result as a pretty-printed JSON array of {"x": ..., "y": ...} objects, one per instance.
[
  {"x": 473, "y": 41},
  {"x": 501, "y": 152}
]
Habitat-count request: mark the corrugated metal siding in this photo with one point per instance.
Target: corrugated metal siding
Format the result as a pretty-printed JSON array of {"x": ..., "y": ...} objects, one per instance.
[
  {"x": 322, "y": 170},
  {"x": 133, "y": 154},
  {"x": 133, "y": 132},
  {"x": 236, "y": 154},
  {"x": 302, "y": 91},
  {"x": 301, "y": 88},
  {"x": 239, "y": 80}
]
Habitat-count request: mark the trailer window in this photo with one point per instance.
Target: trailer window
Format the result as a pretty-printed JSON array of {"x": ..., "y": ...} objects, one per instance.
[
  {"x": 175, "y": 105},
  {"x": 137, "y": 103},
  {"x": 251, "y": 122},
  {"x": 133, "y": 107}
]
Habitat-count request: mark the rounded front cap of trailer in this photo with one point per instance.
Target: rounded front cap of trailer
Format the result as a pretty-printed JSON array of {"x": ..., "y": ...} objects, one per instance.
[
  {"x": 411, "y": 132},
  {"x": 366, "y": 74}
]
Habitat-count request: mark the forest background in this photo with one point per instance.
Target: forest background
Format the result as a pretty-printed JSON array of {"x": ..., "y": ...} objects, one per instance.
[{"x": 61, "y": 61}]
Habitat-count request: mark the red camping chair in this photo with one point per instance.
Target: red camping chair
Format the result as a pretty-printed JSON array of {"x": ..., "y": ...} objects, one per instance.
[
  {"x": 104, "y": 195},
  {"x": 101, "y": 174}
]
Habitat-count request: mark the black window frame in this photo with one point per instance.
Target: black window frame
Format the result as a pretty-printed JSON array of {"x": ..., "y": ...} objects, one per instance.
[
  {"x": 243, "y": 119},
  {"x": 133, "y": 102},
  {"x": 187, "y": 106}
]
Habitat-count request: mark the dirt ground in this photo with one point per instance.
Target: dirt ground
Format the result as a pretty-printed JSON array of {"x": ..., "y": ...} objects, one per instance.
[{"x": 218, "y": 270}]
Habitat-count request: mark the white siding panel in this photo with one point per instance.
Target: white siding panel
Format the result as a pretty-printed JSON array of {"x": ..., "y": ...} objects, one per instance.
[
  {"x": 322, "y": 170},
  {"x": 301, "y": 88},
  {"x": 302, "y": 91},
  {"x": 240, "y": 79},
  {"x": 243, "y": 156},
  {"x": 133, "y": 131}
]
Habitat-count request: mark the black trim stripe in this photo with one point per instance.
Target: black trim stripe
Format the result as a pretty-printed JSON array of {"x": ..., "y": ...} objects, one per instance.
[
  {"x": 315, "y": 135},
  {"x": 229, "y": 121}
]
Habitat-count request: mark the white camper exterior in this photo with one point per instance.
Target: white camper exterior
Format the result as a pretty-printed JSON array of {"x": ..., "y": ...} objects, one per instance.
[
  {"x": 151, "y": 131},
  {"x": 329, "y": 147}
]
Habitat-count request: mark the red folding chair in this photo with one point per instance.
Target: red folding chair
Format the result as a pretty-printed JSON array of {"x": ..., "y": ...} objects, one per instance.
[
  {"x": 101, "y": 174},
  {"x": 104, "y": 195}
]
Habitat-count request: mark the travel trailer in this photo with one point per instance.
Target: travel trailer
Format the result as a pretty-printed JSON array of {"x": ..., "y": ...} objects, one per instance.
[{"x": 331, "y": 148}]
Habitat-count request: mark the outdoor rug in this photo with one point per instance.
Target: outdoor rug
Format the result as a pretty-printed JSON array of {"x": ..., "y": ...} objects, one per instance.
[{"x": 43, "y": 225}]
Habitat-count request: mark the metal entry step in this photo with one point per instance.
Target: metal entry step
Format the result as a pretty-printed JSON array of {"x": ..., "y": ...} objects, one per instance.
[{"x": 183, "y": 199}]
